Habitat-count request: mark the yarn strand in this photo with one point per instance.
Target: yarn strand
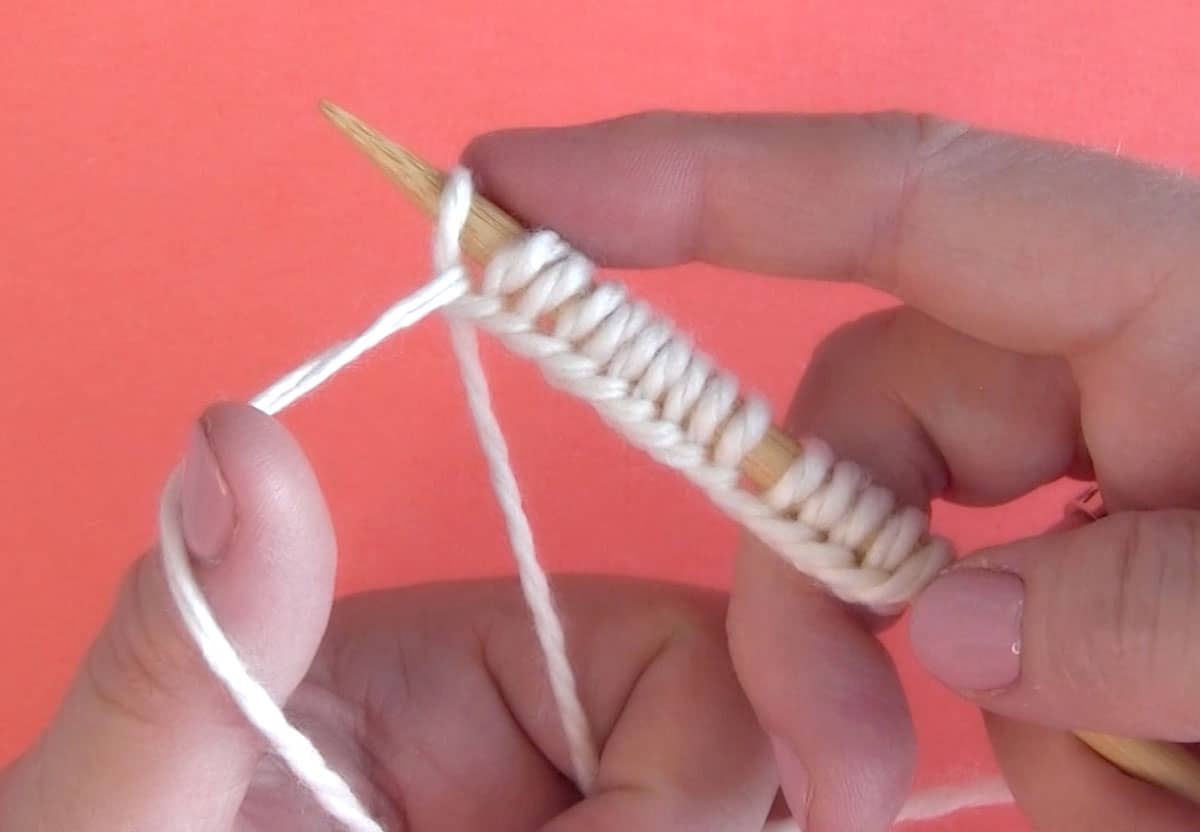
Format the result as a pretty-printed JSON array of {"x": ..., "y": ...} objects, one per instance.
[
  {"x": 297, "y": 752},
  {"x": 534, "y": 583},
  {"x": 330, "y": 790},
  {"x": 547, "y": 623},
  {"x": 824, "y": 517}
]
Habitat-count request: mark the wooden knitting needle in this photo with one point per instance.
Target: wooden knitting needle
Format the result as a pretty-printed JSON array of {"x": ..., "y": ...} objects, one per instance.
[{"x": 489, "y": 229}]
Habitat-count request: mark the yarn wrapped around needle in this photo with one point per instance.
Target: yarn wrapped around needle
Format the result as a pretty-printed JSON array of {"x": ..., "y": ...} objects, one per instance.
[{"x": 823, "y": 516}]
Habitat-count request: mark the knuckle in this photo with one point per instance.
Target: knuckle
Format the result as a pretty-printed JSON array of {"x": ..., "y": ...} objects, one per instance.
[
  {"x": 915, "y": 144},
  {"x": 658, "y": 121},
  {"x": 844, "y": 348},
  {"x": 699, "y": 618},
  {"x": 1148, "y": 607},
  {"x": 857, "y": 349},
  {"x": 918, "y": 136},
  {"x": 855, "y": 370},
  {"x": 934, "y": 135},
  {"x": 689, "y": 618},
  {"x": 144, "y": 662},
  {"x": 692, "y": 622}
]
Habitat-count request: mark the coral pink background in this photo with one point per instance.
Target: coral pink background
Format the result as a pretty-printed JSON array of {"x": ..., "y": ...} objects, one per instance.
[{"x": 179, "y": 225}]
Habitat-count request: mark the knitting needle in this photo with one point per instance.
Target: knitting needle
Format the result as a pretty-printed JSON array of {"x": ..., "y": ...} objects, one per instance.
[{"x": 490, "y": 229}]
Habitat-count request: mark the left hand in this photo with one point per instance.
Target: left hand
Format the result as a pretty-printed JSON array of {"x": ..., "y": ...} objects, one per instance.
[
  {"x": 1045, "y": 329},
  {"x": 431, "y": 700}
]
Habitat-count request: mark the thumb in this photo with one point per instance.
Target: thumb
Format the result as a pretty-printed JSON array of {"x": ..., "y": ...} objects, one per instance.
[
  {"x": 146, "y": 736},
  {"x": 1092, "y": 628}
]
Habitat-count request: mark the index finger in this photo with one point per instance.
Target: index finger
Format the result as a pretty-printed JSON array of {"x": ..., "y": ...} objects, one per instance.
[{"x": 996, "y": 235}]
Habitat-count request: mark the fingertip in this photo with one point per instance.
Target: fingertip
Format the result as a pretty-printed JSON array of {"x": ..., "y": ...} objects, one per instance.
[
  {"x": 273, "y": 588},
  {"x": 627, "y": 192},
  {"x": 826, "y": 691},
  {"x": 270, "y": 475},
  {"x": 146, "y": 696},
  {"x": 965, "y": 628}
]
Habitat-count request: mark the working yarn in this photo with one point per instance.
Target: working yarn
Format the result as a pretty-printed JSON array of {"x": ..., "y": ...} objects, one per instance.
[{"x": 823, "y": 516}]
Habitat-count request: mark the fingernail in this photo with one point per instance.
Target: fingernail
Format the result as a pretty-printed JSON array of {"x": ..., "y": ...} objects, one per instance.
[
  {"x": 207, "y": 501},
  {"x": 966, "y": 629}
]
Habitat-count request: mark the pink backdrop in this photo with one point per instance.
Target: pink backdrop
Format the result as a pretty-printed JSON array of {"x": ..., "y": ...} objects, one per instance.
[{"x": 179, "y": 225}]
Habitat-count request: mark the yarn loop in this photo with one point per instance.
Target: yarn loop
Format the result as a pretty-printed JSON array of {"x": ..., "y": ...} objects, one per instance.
[{"x": 824, "y": 516}]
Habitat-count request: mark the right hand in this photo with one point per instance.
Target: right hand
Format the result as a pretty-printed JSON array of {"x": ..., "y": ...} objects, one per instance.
[{"x": 1048, "y": 328}]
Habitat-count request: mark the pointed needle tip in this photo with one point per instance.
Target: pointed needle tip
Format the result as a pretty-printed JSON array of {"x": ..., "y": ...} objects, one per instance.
[{"x": 334, "y": 113}]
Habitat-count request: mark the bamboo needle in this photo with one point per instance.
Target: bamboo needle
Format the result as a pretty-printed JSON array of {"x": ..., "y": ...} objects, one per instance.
[{"x": 489, "y": 228}]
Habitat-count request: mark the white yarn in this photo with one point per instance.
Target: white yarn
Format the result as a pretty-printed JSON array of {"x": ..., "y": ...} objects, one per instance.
[
  {"x": 823, "y": 516},
  {"x": 944, "y": 800},
  {"x": 296, "y": 750}
]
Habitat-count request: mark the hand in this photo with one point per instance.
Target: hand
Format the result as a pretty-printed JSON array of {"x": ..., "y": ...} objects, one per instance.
[
  {"x": 1048, "y": 329},
  {"x": 430, "y": 700}
]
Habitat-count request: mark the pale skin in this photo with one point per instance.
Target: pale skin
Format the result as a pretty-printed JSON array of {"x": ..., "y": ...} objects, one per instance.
[
  {"x": 428, "y": 699},
  {"x": 1045, "y": 328}
]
